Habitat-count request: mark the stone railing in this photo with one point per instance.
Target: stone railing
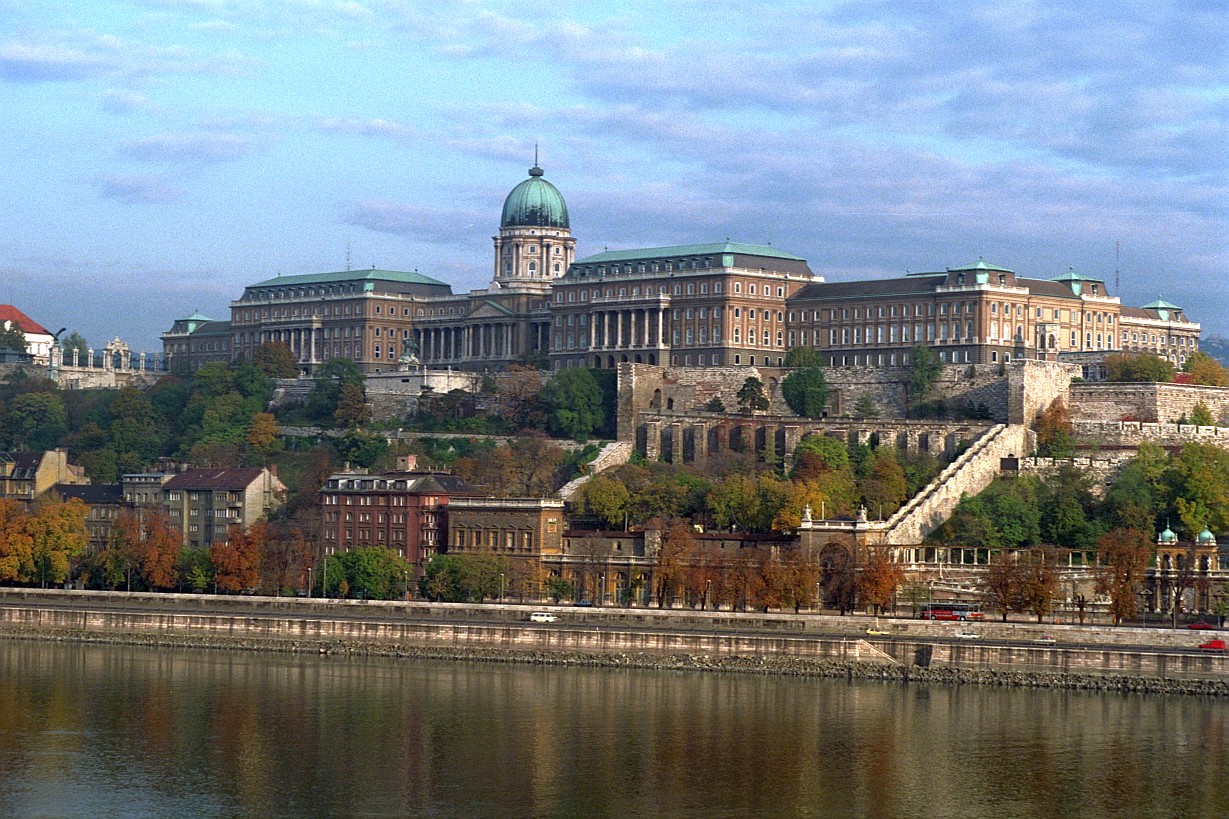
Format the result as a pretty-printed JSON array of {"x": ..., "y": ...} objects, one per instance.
[{"x": 613, "y": 454}]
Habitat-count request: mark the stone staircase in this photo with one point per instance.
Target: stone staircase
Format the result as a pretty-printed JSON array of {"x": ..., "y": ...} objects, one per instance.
[
  {"x": 613, "y": 454},
  {"x": 968, "y": 474}
]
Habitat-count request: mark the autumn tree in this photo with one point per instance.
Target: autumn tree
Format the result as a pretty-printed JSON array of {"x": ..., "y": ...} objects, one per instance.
[
  {"x": 879, "y": 580},
  {"x": 1206, "y": 370},
  {"x": 57, "y": 535},
  {"x": 518, "y": 399},
  {"x": 146, "y": 540},
  {"x": 352, "y": 409},
  {"x": 1039, "y": 581},
  {"x": 884, "y": 489},
  {"x": 16, "y": 543},
  {"x": 1055, "y": 432},
  {"x": 676, "y": 549},
  {"x": 1000, "y": 584},
  {"x": 263, "y": 434},
  {"x": 276, "y": 360},
  {"x": 1123, "y": 556},
  {"x": 237, "y": 560}
]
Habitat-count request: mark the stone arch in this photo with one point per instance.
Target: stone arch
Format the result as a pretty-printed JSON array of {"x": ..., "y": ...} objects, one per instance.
[
  {"x": 652, "y": 359},
  {"x": 610, "y": 362},
  {"x": 667, "y": 444},
  {"x": 714, "y": 440},
  {"x": 597, "y": 362},
  {"x": 656, "y": 402}
]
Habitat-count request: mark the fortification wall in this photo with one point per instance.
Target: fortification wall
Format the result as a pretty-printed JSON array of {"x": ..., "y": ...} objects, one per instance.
[
  {"x": 1164, "y": 403},
  {"x": 1130, "y": 434}
]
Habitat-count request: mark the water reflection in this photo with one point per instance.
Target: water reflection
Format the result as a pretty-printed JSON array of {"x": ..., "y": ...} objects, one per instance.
[{"x": 104, "y": 730}]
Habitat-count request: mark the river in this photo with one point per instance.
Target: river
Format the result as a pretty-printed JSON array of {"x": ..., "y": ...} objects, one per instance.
[{"x": 94, "y": 730}]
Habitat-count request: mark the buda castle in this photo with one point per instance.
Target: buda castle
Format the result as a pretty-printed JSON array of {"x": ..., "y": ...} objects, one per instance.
[{"x": 720, "y": 303}]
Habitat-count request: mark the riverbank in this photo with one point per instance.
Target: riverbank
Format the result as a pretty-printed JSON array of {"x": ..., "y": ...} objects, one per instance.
[{"x": 784, "y": 665}]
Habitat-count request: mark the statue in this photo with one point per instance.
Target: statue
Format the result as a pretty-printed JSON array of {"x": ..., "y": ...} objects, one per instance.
[{"x": 409, "y": 354}]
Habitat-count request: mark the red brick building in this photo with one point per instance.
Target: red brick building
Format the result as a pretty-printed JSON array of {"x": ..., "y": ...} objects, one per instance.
[{"x": 404, "y": 510}]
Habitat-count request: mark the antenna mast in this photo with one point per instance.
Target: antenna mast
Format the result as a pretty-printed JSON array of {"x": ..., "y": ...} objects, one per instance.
[
  {"x": 347, "y": 255},
  {"x": 1116, "y": 288}
]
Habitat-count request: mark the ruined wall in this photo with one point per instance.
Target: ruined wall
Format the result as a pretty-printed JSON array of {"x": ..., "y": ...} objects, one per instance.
[
  {"x": 1163, "y": 403},
  {"x": 1034, "y": 385},
  {"x": 1102, "y": 470}
]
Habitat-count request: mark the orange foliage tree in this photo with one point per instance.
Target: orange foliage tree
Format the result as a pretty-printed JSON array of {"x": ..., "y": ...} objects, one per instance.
[
  {"x": 879, "y": 580},
  {"x": 237, "y": 560},
  {"x": 147, "y": 540}
]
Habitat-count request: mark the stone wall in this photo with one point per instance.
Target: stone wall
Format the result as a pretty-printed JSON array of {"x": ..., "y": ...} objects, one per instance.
[
  {"x": 1163, "y": 403},
  {"x": 1012, "y": 393},
  {"x": 1130, "y": 434},
  {"x": 1103, "y": 470}
]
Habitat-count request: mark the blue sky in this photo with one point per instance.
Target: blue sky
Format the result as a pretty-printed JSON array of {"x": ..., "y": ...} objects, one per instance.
[{"x": 161, "y": 154}]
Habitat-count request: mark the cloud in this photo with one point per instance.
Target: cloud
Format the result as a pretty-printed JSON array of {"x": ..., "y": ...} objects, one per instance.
[
  {"x": 446, "y": 226},
  {"x": 63, "y": 56},
  {"x": 189, "y": 149},
  {"x": 123, "y": 101},
  {"x": 137, "y": 189}
]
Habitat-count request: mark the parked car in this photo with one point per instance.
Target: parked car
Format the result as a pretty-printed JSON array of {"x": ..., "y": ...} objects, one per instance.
[
  {"x": 542, "y": 617},
  {"x": 1044, "y": 640},
  {"x": 1214, "y": 645},
  {"x": 587, "y": 604},
  {"x": 1200, "y": 626},
  {"x": 967, "y": 635},
  {"x": 875, "y": 631}
]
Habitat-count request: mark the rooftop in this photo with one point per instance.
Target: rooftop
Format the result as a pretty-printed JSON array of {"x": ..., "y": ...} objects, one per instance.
[
  {"x": 713, "y": 249},
  {"x": 373, "y": 274}
]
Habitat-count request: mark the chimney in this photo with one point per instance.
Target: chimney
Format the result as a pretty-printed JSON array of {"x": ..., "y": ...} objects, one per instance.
[{"x": 406, "y": 463}]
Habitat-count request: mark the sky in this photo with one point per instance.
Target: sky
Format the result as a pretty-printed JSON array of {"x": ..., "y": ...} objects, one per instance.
[{"x": 159, "y": 155}]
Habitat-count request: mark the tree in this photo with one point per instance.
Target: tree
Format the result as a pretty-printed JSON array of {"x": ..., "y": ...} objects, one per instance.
[
  {"x": 1039, "y": 581},
  {"x": 372, "y": 572},
  {"x": 1206, "y": 370},
  {"x": 677, "y": 546},
  {"x": 276, "y": 360},
  {"x": 57, "y": 535},
  {"x": 751, "y": 396},
  {"x": 1000, "y": 584},
  {"x": 879, "y": 580},
  {"x": 518, "y": 400},
  {"x": 1055, "y": 431},
  {"x": 16, "y": 543},
  {"x": 607, "y": 498},
  {"x": 575, "y": 404},
  {"x": 146, "y": 539},
  {"x": 264, "y": 433},
  {"x": 806, "y": 392},
  {"x": 76, "y": 342},
  {"x": 1201, "y": 416},
  {"x": 1138, "y": 367},
  {"x": 12, "y": 337},
  {"x": 885, "y": 488},
  {"x": 1123, "y": 556},
  {"x": 924, "y": 371},
  {"x": 35, "y": 420},
  {"x": 237, "y": 560},
  {"x": 352, "y": 410}
]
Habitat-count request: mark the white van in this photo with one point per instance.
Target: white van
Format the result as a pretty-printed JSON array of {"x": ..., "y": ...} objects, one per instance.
[{"x": 542, "y": 617}]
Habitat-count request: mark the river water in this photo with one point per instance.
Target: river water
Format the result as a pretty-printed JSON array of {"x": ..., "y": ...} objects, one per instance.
[{"x": 132, "y": 731}]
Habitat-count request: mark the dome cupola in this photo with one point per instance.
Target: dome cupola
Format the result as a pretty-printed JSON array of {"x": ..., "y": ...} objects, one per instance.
[{"x": 535, "y": 203}]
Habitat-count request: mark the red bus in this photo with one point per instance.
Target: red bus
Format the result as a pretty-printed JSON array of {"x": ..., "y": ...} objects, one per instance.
[{"x": 950, "y": 611}]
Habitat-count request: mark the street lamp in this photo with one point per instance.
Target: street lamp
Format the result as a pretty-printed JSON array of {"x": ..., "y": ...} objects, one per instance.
[
  {"x": 602, "y": 598},
  {"x": 501, "y": 587},
  {"x": 309, "y": 581},
  {"x": 406, "y": 572},
  {"x": 708, "y": 587}
]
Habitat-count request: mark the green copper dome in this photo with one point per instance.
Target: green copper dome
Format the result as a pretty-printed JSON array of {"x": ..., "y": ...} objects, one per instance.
[
  {"x": 535, "y": 203},
  {"x": 1206, "y": 537},
  {"x": 1167, "y": 536}
]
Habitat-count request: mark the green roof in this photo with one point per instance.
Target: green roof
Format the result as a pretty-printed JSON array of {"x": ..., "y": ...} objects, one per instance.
[
  {"x": 534, "y": 203},
  {"x": 980, "y": 264},
  {"x": 1072, "y": 276},
  {"x": 349, "y": 276},
  {"x": 1161, "y": 304},
  {"x": 197, "y": 316},
  {"x": 689, "y": 250}
]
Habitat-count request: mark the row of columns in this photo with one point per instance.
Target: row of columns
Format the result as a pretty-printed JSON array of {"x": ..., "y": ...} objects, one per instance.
[
  {"x": 618, "y": 329},
  {"x": 490, "y": 340},
  {"x": 302, "y": 341},
  {"x": 716, "y": 436},
  {"x": 73, "y": 358}
]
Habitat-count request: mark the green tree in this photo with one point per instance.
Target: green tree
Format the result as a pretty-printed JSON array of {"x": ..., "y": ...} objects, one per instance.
[
  {"x": 12, "y": 337},
  {"x": 924, "y": 371},
  {"x": 77, "y": 342},
  {"x": 575, "y": 404},
  {"x": 1201, "y": 416},
  {"x": 806, "y": 392},
  {"x": 1138, "y": 367},
  {"x": 607, "y": 498},
  {"x": 372, "y": 572},
  {"x": 751, "y": 396},
  {"x": 35, "y": 420},
  {"x": 800, "y": 357},
  {"x": 831, "y": 452}
]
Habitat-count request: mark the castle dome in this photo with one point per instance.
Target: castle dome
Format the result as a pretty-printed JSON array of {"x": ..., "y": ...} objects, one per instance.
[
  {"x": 535, "y": 203},
  {"x": 1167, "y": 537}
]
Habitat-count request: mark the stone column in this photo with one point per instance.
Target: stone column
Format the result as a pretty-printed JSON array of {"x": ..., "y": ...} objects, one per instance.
[
  {"x": 618, "y": 330},
  {"x": 676, "y": 444},
  {"x": 700, "y": 438},
  {"x": 652, "y": 440}
]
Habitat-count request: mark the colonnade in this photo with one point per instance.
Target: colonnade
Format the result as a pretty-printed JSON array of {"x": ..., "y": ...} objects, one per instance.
[
  {"x": 628, "y": 328},
  {"x": 479, "y": 341}
]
